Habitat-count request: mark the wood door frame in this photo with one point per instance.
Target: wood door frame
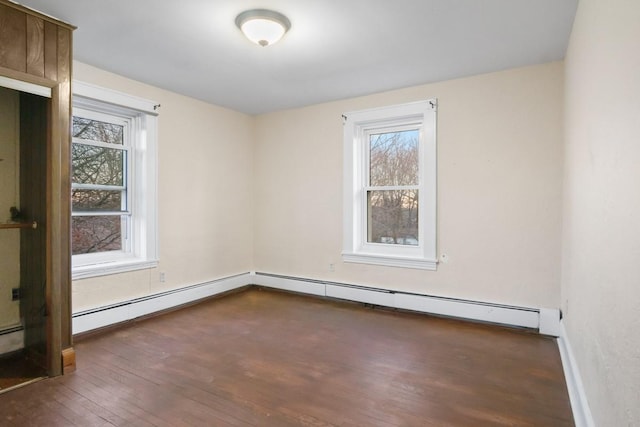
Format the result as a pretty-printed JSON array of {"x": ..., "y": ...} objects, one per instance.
[{"x": 53, "y": 47}]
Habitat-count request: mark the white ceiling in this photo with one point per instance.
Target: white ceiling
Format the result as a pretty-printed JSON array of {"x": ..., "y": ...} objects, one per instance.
[{"x": 335, "y": 49}]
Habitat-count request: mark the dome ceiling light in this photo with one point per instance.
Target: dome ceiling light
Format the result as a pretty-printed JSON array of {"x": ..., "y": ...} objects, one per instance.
[{"x": 262, "y": 26}]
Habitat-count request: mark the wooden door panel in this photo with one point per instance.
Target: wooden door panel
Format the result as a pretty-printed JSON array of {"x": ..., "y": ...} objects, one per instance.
[
  {"x": 13, "y": 34},
  {"x": 35, "y": 46}
]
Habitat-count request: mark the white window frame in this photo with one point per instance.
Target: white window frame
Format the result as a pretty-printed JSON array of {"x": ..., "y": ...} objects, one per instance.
[
  {"x": 140, "y": 242},
  {"x": 357, "y": 126},
  {"x": 128, "y": 122}
]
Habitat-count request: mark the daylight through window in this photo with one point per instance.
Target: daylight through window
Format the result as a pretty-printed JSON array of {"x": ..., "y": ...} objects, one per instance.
[
  {"x": 392, "y": 193},
  {"x": 100, "y": 171}
]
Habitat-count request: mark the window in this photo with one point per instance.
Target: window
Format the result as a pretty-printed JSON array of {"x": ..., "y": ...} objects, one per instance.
[
  {"x": 113, "y": 182},
  {"x": 390, "y": 186}
]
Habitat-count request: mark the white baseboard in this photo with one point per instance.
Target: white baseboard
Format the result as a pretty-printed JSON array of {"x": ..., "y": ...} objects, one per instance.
[
  {"x": 545, "y": 320},
  {"x": 472, "y": 310},
  {"x": 579, "y": 404},
  {"x": 367, "y": 296},
  {"x": 11, "y": 339},
  {"x": 109, "y": 315},
  {"x": 289, "y": 284}
]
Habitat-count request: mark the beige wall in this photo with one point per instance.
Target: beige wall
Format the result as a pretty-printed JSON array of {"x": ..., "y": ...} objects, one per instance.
[
  {"x": 9, "y": 176},
  {"x": 205, "y": 195},
  {"x": 499, "y": 211},
  {"x": 601, "y": 239},
  {"x": 499, "y": 194}
]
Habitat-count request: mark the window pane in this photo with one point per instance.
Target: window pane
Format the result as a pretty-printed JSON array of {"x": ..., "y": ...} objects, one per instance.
[
  {"x": 97, "y": 200},
  {"x": 97, "y": 165},
  {"x": 393, "y": 217},
  {"x": 96, "y": 234},
  {"x": 94, "y": 130},
  {"x": 394, "y": 158}
]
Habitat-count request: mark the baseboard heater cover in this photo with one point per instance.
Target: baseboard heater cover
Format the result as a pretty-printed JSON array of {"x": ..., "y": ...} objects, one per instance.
[
  {"x": 100, "y": 317},
  {"x": 544, "y": 320},
  {"x": 11, "y": 339},
  {"x": 523, "y": 317}
]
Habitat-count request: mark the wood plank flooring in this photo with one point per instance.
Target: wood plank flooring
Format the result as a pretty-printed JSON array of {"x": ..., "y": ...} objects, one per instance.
[{"x": 266, "y": 358}]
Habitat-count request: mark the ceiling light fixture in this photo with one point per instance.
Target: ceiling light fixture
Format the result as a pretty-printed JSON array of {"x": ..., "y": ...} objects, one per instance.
[{"x": 263, "y": 27}]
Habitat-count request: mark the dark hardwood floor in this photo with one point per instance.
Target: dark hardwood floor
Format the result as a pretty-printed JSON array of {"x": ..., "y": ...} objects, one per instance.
[
  {"x": 18, "y": 368},
  {"x": 266, "y": 358}
]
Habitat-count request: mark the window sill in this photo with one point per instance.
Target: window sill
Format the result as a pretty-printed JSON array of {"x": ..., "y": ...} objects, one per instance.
[
  {"x": 108, "y": 268},
  {"x": 391, "y": 261}
]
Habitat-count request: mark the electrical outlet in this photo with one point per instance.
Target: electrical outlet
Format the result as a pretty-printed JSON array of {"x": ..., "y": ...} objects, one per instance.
[
  {"x": 15, "y": 294},
  {"x": 163, "y": 277},
  {"x": 332, "y": 267}
]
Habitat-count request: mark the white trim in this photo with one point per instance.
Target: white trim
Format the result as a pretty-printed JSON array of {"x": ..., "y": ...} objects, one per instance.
[
  {"x": 550, "y": 321},
  {"x": 12, "y": 341},
  {"x": 87, "y": 90},
  {"x": 522, "y": 317},
  {"x": 579, "y": 404},
  {"x": 289, "y": 284},
  {"x": 367, "y": 296},
  {"x": 25, "y": 87},
  {"x": 147, "y": 172},
  {"x": 382, "y": 113},
  {"x": 473, "y": 310},
  {"x": 389, "y": 261},
  {"x": 108, "y": 268},
  {"x": 104, "y": 316}
]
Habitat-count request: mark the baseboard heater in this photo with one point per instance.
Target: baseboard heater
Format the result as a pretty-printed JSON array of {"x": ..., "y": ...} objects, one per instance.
[
  {"x": 546, "y": 321},
  {"x": 101, "y": 317},
  {"x": 523, "y": 317},
  {"x": 11, "y": 339}
]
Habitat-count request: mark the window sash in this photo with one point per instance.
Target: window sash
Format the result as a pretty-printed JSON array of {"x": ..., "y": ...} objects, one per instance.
[
  {"x": 99, "y": 143},
  {"x": 391, "y": 187},
  {"x": 100, "y": 213},
  {"x": 126, "y": 213},
  {"x": 76, "y": 186},
  {"x": 366, "y": 131}
]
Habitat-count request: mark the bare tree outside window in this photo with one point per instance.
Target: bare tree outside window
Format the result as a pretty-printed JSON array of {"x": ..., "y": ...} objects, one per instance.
[
  {"x": 98, "y": 185},
  {"x": 392, "y": 196},
  {"x": 94, "y": 130},
  {"x": 96, "y": 234}
]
